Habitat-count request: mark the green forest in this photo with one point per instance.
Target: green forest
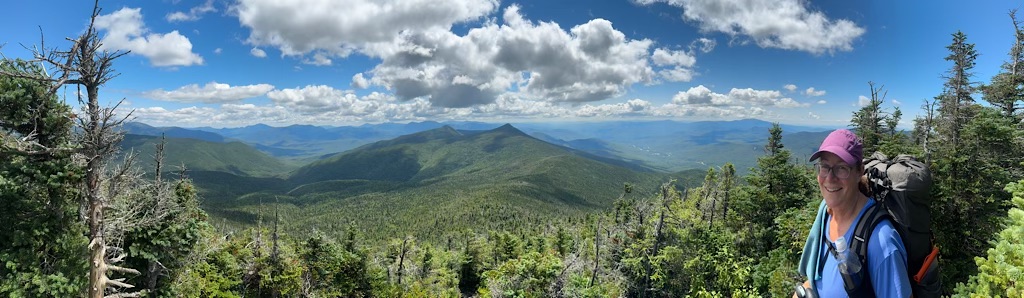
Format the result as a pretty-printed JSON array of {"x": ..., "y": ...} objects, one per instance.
[{"x": 82, "y": 219}]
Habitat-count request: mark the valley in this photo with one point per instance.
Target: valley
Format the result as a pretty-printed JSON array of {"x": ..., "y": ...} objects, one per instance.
[{"x": 434, "y": 180}]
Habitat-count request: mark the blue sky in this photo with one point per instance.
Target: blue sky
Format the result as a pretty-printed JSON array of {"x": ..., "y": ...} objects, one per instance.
[{"x": 227, "y": 63}]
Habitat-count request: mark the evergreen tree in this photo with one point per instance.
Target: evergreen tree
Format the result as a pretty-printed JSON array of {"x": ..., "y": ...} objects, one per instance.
[
  {"x": 869, "y": 122},
  {"x": 1006, "y": 90},
  {"x": 978, "y": 154},
  {"x": 999, "y": 272},
  {"x": 959, "y": 88},
  {"x": 775, "y": 185},
  {"x": 165, "y": 242},
  {"x": 43, "y": 249}
]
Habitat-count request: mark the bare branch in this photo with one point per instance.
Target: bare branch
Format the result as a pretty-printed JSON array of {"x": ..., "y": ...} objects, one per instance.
[
  {"x": 126, "y": 295},
  {"x": 123, "y": 270}
]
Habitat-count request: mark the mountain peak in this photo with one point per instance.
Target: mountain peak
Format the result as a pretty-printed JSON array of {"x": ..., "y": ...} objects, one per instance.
[{"x": 508, "y": 129}]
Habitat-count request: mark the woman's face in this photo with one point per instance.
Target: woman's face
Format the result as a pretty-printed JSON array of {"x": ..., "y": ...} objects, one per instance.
[{"x": 833, "y": 188}]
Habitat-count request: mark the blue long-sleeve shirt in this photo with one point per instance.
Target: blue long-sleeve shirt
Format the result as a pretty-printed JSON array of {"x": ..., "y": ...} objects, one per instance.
[{"x": 887, "y": 262}]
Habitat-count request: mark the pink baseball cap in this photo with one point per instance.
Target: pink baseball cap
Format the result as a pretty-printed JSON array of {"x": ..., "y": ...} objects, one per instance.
[{"x": 843, "y": 143}]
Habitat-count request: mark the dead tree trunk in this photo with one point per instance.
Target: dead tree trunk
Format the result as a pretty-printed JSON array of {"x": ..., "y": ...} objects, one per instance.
[
  {"x": 401, "y": 259},
  {"x": 597, "y": 252}
]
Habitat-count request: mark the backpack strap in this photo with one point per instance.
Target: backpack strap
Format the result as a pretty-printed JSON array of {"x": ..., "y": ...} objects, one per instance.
[{"x": 859, "y": 245}]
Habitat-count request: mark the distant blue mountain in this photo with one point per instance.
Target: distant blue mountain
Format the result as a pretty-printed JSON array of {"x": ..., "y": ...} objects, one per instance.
[
  {"x": 139, "y": 128},
  {"x": 666, "y": 145}
]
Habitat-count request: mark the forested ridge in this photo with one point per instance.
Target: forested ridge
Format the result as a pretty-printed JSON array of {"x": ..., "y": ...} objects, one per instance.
[{"x": 78, "y": 221}]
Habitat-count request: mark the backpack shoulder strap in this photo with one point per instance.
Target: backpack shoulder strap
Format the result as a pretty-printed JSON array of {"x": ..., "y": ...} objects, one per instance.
[
  {"x": 862, "y": 232},
  {"x": 859, "y": 245}
]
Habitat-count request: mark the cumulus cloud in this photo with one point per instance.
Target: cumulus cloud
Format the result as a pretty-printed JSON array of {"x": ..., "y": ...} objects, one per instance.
[
  {"x": 663, "y": 57},
  {"x": 588, "y": 62},
  {"x": 300, "y": 27},
  {"x": 257, "y": 52},
  {"x": 321, "y": 105},
  {"x": 358, "y": 81},
  {"x": 217, "y": 51},
  {"x": 212, "y": 92},
  {"x": 225, "y": 115},
  {"x": 790, "y": 87},
  {"x": 125, "y": 31},
  {"x": 701, "y": 95},
  {"x": 783, "y": 24},
  {"x": 821, "y": 102},
  {"x": 681, "y": 63},
  {"x": 812, "y": 115},
  {"x": 897, "y": 102},
  {"x": 631, "y": 107},
  {"x": 421, "y": 58},
  {"x": 863, "y": 101},
  {"x": 193, "y": 14},
  {"x": 677, "y": 74},
  {"x": 811, "y": 92},
  {"x": 326, "y": 102},
  {"x": 318, "y": 59},
  {"x": 673, "y": 110}
]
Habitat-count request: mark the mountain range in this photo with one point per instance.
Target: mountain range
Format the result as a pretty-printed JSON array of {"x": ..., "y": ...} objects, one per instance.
[
  {"x": 447, "y": 178},
  {"x": 667, "y": 146}
]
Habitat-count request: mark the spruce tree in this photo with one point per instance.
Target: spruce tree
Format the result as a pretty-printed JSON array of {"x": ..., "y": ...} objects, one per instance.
[
  {"x": 1006, "y": 90},
  {"x": 43, "y": 251}
]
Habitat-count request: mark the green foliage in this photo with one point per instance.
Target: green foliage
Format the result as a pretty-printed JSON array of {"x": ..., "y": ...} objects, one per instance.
[
  {"x": 1001, "y": 273},
  {"x": 216, "y": 274},
  {"x": 333, "y": 271},
  {"x": 162, "y": 246},
  {"x": 43, "y": 251},
  {"x": 969, "y": 203},
  {"x": 776, "y": 185},
  {"x": 530, "y": 275}
]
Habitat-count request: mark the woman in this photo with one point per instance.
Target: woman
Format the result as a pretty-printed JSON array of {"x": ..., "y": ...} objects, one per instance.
[{"x": 839, "y": 170}]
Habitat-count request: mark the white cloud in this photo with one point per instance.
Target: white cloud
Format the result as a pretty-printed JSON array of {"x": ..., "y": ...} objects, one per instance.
[
  {"x": 257, "y": 52},
  {"x": 897, "y": 102},
  {"x": 358, "y": 81},
  {"x": 863, "y": 101},
  {"x": 674, "y": 110},
  {"x": 705, "y": 45},
  {"x": 663, "y": 57},
  {"x": 784, "y": 24},
  {"x": 677, "y": 74},
  {"x": 680, "y": 61},
  {"x": 217, "y": 51},
  {"x": 303, "y": 26},
  {"x": 631, "y": 107},
  {"x": 421, "y": 58},
  {"x": 212, "y": 92},
  {"x": 125, "y": 31},
  {"x": 319, "y": 59},
  {"x": 225, "y": 115},
  {"x": 701, "y": 95},
  {"x": 313, "y": 98},
  {"x": 326, "y": 102},
  {"x": 812, "y": 115},
  {"x": 790, "y": 87},
  {"x": 193, "y": 14},
  {"x": 589, "y": 62},
  {"x": 821, "y": 102},
  {"x": 811, "y": 92},
  {"x": 322, "y": 105}
]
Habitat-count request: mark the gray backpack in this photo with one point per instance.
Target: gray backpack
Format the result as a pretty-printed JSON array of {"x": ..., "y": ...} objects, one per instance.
[{"x": 902, "y": 188}]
